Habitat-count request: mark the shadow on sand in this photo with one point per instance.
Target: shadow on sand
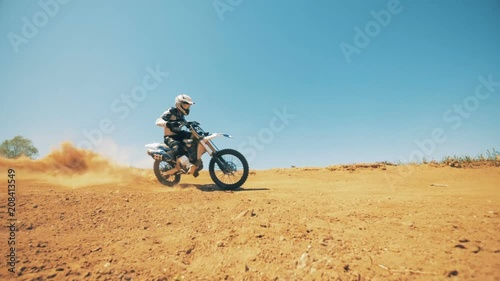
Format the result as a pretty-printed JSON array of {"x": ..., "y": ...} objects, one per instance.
[{"x": 214, "y": 187}]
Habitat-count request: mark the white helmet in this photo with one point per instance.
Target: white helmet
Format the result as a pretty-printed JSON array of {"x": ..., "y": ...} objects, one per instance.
[{"x": 183, "y": 102}]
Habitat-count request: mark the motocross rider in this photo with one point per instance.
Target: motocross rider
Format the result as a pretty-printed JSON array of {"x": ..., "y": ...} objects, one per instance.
[{"x": 171, "y": 120}]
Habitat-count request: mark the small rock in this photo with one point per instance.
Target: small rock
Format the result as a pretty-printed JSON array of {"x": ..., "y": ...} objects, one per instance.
[
  {"x": 460, "y": 246},
  {"x": 439, "y": 185},
  {"x": 302, "y": 262},
  {"x": 242, "y": 214},
  {"x": 253, "y": 214},
  {"x": 409, "y": 224},
  {"x": 453, "y": 273},
  {"x": 96, "y": 249},
  {"x": 346, "y": 268}
]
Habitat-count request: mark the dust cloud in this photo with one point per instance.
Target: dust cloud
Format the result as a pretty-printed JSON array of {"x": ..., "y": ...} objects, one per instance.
[{"x": 73, "y": 167}]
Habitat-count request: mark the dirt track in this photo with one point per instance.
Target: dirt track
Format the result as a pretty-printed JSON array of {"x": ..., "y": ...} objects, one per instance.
[{"x": 285, "y": 224}]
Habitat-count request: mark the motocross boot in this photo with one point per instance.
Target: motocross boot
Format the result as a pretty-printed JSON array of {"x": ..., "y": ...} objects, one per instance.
[
  {"x": 193, "y": 170},
  {"x": 199, "y": 166}
]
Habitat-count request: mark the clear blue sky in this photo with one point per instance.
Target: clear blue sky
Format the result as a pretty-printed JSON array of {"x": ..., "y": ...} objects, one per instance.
[{"x": 241, "y": 63}]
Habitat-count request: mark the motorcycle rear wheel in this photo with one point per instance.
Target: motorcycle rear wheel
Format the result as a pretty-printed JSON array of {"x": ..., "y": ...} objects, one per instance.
[
  {"x": 169, "y": 180},
  {"x": 234, "y": 172}
]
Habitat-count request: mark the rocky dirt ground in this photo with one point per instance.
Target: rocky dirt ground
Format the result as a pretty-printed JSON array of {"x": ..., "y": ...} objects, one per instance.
[{"x": 88, "y": 219}]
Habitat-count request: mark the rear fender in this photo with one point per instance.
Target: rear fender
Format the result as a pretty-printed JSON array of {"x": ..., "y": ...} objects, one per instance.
[{"x": 157, "y": 145}]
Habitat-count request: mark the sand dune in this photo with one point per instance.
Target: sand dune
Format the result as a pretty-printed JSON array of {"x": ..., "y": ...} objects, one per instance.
[{"x": 80, "y": 216}]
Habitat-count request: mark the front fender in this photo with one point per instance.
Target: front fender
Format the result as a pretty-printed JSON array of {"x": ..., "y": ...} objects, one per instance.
[{"x": 215, "y": 135}]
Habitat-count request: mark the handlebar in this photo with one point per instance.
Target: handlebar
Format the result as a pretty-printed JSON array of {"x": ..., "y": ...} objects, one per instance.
[
  {"x": 194, "y": 126},
  {"x": 189, "y": 123}
]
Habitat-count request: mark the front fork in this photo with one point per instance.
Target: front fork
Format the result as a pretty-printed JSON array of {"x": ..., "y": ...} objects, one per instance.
[{"x": 209, "y": 146}]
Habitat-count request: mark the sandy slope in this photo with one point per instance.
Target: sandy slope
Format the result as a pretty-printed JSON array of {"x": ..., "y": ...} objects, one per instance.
[{"x": 285, "y": 224}]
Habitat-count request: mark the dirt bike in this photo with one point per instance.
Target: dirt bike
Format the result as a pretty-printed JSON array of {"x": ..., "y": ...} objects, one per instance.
[{"x": 228, "y": 168}]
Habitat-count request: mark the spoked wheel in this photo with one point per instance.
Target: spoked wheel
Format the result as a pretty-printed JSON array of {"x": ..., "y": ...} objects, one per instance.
[
  {"x": 228, "y": 169},
  {"x": 169, "y": 180}
]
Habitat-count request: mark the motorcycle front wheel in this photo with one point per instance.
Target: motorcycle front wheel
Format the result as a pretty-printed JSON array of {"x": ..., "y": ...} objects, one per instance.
[
  {"x": 228, "y": 169},
  {"x": 169, "y": 180}
]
